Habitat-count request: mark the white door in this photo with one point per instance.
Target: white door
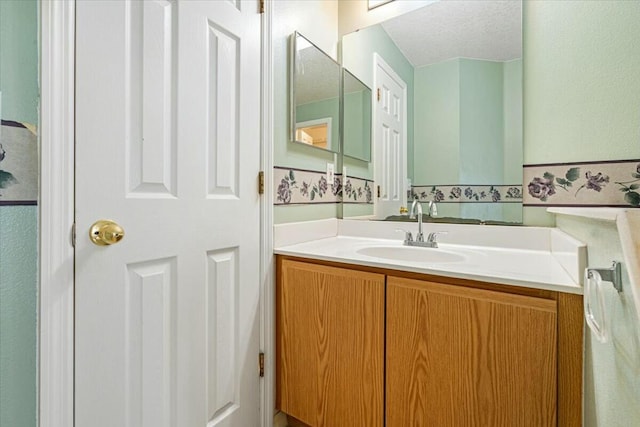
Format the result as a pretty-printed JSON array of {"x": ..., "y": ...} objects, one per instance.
[
  {"x": 390, "y": 140},
  {"x": 168, "y": 143}
]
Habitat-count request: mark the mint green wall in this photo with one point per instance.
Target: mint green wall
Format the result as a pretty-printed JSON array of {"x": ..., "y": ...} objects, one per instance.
[
  {"x": 18, "y": 315},
  {"x": 513, "y": 134},
  {"x": 465, "y": 114},
  {"x": 513, "y": 138},
  {"x": 357, "y": 210},
  {"x": 481, "y": 131},
  {"x": 437, "y": 124},
  {"x": 437, "y": 128},
  {"x": 581, "y": 84},
  {"x": 322, "y": 109},
  {"x": 18, "y": 225},
  {"x": 19, "y": 60},
  {"x": 357, "y": 125},
  {"x": 357, "y": 57},
  {"x": 481, "y": 122},
  {"x": 459, "y": 111}
]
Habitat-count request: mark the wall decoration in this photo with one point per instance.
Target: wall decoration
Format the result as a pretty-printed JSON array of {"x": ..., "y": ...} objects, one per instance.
[
  {"x": 298, "y": 186},
  {"x": 606, "y": 183},
  {"x": 357, "y": 190},
  {"x": 18, "y": 164},
  {"x": 468, "y": 193}
]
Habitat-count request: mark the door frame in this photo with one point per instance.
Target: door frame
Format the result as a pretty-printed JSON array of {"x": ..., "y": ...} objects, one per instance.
[
  {"x": 380, "y": 63},
  {"x": 56, "y": 217},
  {"x": 56, "y": 213}
]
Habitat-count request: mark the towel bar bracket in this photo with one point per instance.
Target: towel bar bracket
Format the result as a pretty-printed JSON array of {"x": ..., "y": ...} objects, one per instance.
[{"x": 612, "y": 274}]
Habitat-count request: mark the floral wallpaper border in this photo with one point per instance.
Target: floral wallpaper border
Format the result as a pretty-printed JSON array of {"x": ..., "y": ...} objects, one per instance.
[
  {"x": 607, "y": 183},
  {"x": 468, "y": 193},
  {"x": 298, "y": 186},
  {"x": 357, "y": 190}
]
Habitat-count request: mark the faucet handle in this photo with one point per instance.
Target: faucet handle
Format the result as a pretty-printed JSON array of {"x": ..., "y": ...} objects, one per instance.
[
  {"x": 431, "y": 238},
  {"x": 433, "y": 209},
  {"x": 408, "y": 237}
]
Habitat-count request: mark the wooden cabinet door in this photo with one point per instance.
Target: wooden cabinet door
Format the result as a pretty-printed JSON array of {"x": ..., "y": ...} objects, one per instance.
[
  {"x": 330, "y": 343},
  {"x": 468, "y": 357}
]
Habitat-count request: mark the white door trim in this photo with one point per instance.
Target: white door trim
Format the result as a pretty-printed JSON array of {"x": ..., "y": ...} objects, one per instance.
[
  {"x": 56, "y": 213},
  {"x": 267, "y": 270},
  {"x": 379, "y": 62}
]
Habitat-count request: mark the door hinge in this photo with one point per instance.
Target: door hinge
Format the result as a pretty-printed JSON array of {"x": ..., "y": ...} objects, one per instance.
[
  {"x": 378, "y": 191},
  {"x": 261, "y": 182},
  {"x": 378, "y": 94},
  {"x": 73, "y": 235},
  {"x": 261, "y": 6},
  {"x": 261, "y": 364}
]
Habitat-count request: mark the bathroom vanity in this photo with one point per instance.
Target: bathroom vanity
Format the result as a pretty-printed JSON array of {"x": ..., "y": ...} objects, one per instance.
[{"x": 367, "y": 340}]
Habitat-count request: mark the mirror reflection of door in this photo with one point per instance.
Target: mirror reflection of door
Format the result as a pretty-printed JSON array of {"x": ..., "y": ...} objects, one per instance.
[{"x": 390, "y": 140}]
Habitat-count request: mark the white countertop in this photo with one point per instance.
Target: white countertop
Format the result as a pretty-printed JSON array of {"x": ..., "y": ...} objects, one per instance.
[{"x": 540, "y": 268}]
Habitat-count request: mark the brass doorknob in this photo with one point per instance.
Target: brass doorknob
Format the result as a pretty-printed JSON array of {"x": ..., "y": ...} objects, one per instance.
[{"x": 105, "y": 232}]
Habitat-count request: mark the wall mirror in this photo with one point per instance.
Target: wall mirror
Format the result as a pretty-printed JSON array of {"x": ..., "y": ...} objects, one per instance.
[
  {"x": 356, "y": 117},
  {"x": 460, "y": 110},
  {"x": 315, "y": 96}
]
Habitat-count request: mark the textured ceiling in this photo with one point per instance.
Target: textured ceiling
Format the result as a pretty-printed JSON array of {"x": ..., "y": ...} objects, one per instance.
[
  {"x": 317, "y": 76},
  {"x": 479, "y": 29}
]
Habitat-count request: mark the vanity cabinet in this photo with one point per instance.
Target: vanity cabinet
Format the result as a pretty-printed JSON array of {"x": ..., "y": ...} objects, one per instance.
[
  {"x": 363, "y": 346},
  {"x": 330, "y": 343},
  {"x": 460, "y": 356}
]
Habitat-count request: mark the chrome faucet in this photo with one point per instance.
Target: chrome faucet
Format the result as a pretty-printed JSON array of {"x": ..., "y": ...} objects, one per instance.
[
  {"x": 416, "y": 211},
  {"x": 417, "y": 206},
  {"x": 430, "y": 243}
]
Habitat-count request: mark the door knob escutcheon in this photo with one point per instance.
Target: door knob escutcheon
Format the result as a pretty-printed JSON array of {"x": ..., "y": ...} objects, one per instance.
[{"x": 105, "y": 232}]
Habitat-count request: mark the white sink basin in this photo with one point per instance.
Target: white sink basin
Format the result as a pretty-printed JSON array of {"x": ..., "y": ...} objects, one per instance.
[{"x": 412, "y": 254}]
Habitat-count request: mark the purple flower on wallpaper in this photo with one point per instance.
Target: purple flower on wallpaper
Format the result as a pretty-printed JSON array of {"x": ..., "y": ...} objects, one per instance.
[
  {"x": 596, "y": 182},
  {"x": 304, "y": 190},
  {"x": 438, "y": 195},
  {"x": 322, "y": 186},
  {"x": 336, "y": 187},
  {"x": 456, "y": 192},
  {"x": 284, "y": 192},
  {"x": 541, "y": 188},
  {"x": 514, "y": 193},
  {"x": 348, "y": 187},
  {"x": 495, "y": 195},
  {"x": 367, "y": 190},
  {"x": 468, "y": 192}
]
